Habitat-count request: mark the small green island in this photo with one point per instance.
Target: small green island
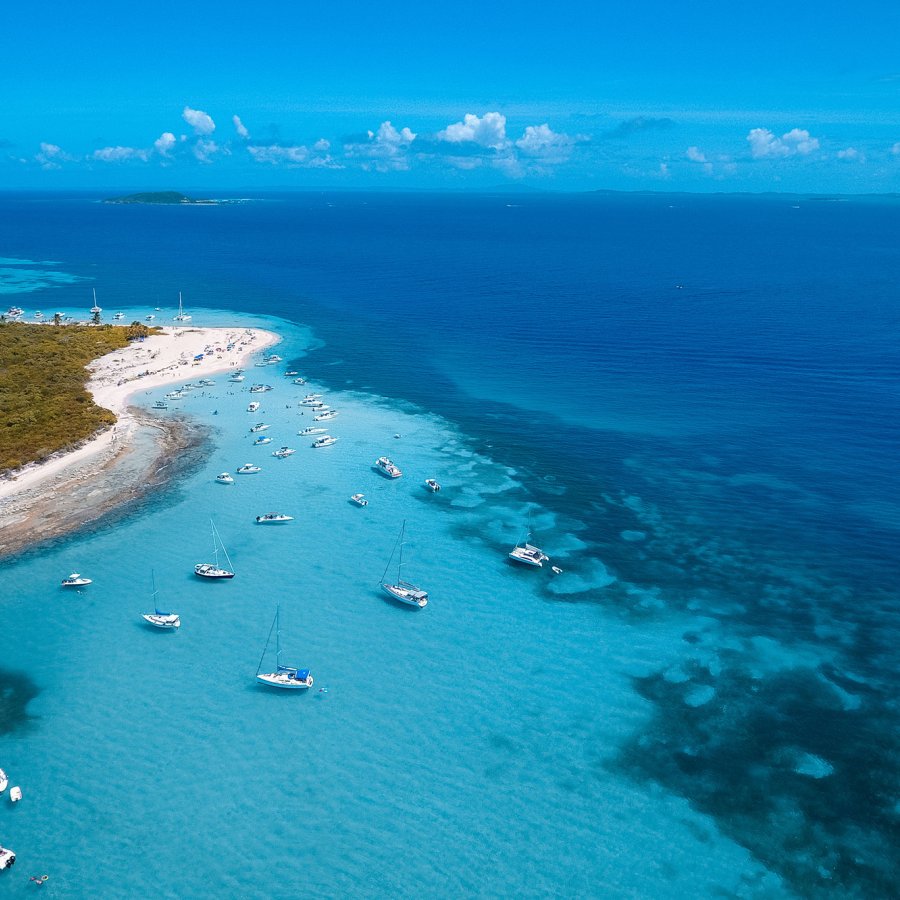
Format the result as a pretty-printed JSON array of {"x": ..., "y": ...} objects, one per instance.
[
  {"x": 163, "y": 198},
  {"x": 46, "y": 407}
]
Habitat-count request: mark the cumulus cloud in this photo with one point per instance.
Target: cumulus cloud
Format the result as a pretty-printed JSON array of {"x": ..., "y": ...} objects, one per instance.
[
  {"x": 896, "y": 149},
  {"x": 120, "y": 154},
  {"x": 294, "y": 157},
  {"x": 200, "y": 121},
  {"x": 851, "y": 153},
  {"x": 204, "y": 150},
  {"x": 240, "y": 128},
  {"x": 51, "y": 156},
  {"x": 695, "y": 154},
  {"x": 164, "y": 143},
  {"x": 542, "y": 142},
  {"x": 322, "y": 145},
  {"x": 796, "y": 142},
  {"x": 384, "y": 150},
  {"x": 487, "y": 131}
]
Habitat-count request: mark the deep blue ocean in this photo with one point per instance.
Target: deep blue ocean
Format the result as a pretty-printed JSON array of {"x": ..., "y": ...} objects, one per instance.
[{"x": 694, "y": 402}]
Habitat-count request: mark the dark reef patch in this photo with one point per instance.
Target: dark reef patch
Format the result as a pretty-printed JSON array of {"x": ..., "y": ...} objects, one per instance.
[{"x": 17, "y": 690}]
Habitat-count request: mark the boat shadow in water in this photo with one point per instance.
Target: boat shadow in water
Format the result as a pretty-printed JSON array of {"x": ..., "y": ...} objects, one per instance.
[{"x": 17, "y": 690}]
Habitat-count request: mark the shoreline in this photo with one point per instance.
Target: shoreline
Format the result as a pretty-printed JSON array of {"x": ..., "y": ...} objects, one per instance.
[{"x": 74, "y": 488}]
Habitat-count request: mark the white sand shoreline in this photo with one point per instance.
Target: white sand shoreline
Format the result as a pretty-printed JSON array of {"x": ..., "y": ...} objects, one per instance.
[{"x": 159, "y": 360}]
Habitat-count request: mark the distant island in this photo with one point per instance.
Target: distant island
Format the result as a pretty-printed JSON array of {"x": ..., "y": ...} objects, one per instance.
[{"x": 167, "y": 197}]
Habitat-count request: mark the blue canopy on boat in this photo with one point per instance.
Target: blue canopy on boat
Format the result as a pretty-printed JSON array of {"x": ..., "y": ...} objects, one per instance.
[
  {"x": 302, "y": 674},
  {"x": 199, "y": 356}
]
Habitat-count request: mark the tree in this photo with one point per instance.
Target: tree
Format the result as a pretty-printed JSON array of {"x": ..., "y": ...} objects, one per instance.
[
  {"x": 95, "y": 318},
  {"x": 57, "y": 318}
]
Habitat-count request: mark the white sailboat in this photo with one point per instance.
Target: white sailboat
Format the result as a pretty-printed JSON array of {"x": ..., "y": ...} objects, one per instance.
[
  {"x": 214, "y": 570},
  {"x": 528, "y": 554},
  {"x": 182, "y": 315},
  {"x": 288, "y": 677},
  {"x": 160, "y": 618},
  {"x": 400, "y": 590},
  {"x": 95, "y": 308}
]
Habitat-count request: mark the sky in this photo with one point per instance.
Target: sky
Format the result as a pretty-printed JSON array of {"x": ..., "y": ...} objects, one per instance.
[{"x": 706, "y": 96}]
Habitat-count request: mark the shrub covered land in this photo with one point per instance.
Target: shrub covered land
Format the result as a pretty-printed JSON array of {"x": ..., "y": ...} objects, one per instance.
[{"x": 44, "y": 406}]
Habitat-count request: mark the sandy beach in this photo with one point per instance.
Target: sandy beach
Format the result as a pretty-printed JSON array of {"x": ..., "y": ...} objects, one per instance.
[{"x": 85, "y": 483}]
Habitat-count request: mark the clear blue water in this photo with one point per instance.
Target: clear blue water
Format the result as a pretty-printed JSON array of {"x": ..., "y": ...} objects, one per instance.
[{"x": 694, "y": 401}]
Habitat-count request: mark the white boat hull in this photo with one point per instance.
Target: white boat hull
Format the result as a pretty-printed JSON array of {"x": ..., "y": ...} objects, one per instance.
[
  {"x": 284, "y": 681},
  {"x": 206, "y": 570},
  {"x": 157, "y": 621},
  {"x": 407, "y": 596}
]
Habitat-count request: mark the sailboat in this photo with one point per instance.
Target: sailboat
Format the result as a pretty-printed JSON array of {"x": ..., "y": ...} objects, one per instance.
[
  {"x": 95, "y": 308},
  {"x": 159, "y": 618},
  {"x": 213, "y": 570},
  {"x": 403, "y": 591},
  {"x": 284, "y": 676},
  {"x": 182, "y": 315},
  {"x": 527, "y": 553}
]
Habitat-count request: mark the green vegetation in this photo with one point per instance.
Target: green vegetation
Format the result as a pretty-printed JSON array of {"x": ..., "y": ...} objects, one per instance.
[
  {"x": 156, "y": 197},
  {"x": 45, "y": 407}
]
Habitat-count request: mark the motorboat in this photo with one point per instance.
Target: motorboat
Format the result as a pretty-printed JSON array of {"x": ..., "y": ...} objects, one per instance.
[
  {"x": 187, "y": 388},
  {"x": 259, "y": 426},
  {"x": 291, "y": 374},
  {"x": 76, "y": 580},
  {"x": 323, "y": 417},
  {"x": 7, "y": 858},
  {"x": 273, "y": 519},
  {"x": 324, "y": 441},
  {"x": 160, "y": 404},
  {"x": 527, "y": 553},
  {"x": 288, "y": 677},
  {"x": 175, "y": 395},
  {"x": 149, "y": 318},
  {"x": 311, "y": 397},
  {"x": 237, "y": 377},
  {"x": 14, "y": 312},
  {"x": 299, "y": 381},
  {"x": 432, "y": 485},
  {"x": 4, "y": 781},
  {"x": 15, "y": 794},
  {"x": 214, "y": 570},
  {"x": 262, "y": 440},
  {"x": 160, "y": 618},
  {"x": 225, "y": 478},
  {"x": 253, "y": 407},
  {"x": 284, "y": 452},
  {"x": 182, "y": 315},
  {"x": 119, "y": 316},
  {"x": 311, "y": 401},
  {"x": 206, "y": 382},
  {"x": 272, "y": 358},
  {"x": 260, "y": 388},
  {"x": 359, "y": 500},
  {"x": 38, "y": 314},
  {"x": 386, "y": 467},
  {"x": 400, "y": 590},
  {"x": 306, "y": 432},
  {"x": 248, "y": 469}
]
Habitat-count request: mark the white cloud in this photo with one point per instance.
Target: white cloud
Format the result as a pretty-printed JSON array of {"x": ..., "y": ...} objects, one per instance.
[
  {"x": 387, "y": 148},
  {"x": 120, "y": 154},
  {"x": 204, "y": 150},
  {"x": 200, "y": 121},
  {"x": 796, "y": 142},
  {"x": 543, "y": 142},
  {"x": 164, "y": 143},
  {"x": 695, "y": 154},
  {"x": 51, "y": 156},
  {"x": 240, "y": 128},
  {"x": 295, "y": 157},
  {"x": 322, "y": 145},
  {"x": 896, "y": 149},
  {"x": 487, "y": 131},
  {"x": 851, "y": 153}
]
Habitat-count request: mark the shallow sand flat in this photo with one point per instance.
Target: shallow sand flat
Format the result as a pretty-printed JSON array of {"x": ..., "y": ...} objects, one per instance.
[{"x": 44, "y": 500}]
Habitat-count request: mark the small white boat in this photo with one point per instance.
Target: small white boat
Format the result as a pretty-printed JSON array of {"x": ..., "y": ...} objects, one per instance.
[
  {"x": 386, "y": 467},
  {"x": 259, "y": 426},
  {"x": 306, "y": 432},
  {"x": 7, "y": 858},
  {"x": 291, "y": 374},
  {"x": 4, "y": 781},
  {"x": 95, "y": 309},
  {"x": 214, "y": 570},
  {"x": 283, "y": 452},
  {"x": 432, "y": 485},
  {"x": 262, "y": 440},
  {"x": 273, "y": 519},
  {"x": 225, "y": 478},
  {"x": 288, "y": 677},
  {"x": 325, "y": 416},
  {"x": 119, "y": 316},
  {"x": 272, "y": 358},
  {"x": 527, "y": 553},
  {"x": 182, "y": 315},
  {"x": 400, "y": 590},
  {"x": 312, "y": 397},
  {"x": 149, "y": 318},
  {"x": 324, "y": 441},
  {"x": 15, "y": 794},
  {"x": 206, "y": 382},
  {"x": 187, "y": 388},
  {"x": 160, "y": 404},
  {"x": 260, "y": 388},
  {"x": 253, "y": 407},
  {"x": 299, "y": 381},
  {"x": 75, "y": 580},
  {"x": 248, "y": 469},
  {"x": 237, "y": 376},
  {"x": 38, "y": 314},
  {"x": 359, "y": 500},
  {"x": 175, "y": 395},
  {"x": 311, "y": 401},
  {"x": 160, "y": 618}
]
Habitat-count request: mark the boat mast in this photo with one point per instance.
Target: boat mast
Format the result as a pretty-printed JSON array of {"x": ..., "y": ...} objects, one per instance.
[
  {"x": 400, "y": 561},
  {"x": 153, "y": 582},
  {"x": 215, "y": 543},
  {"x": 269, "y": 638},
  {"x": 277, "y": 637}
]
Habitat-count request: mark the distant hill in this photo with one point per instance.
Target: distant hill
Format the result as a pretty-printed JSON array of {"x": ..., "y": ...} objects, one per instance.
[{"x": 157, "y": 197}]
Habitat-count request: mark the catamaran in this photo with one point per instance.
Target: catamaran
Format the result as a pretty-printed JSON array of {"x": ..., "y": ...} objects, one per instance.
[
  {"x": 403, "y": 591},
  {"x": 527, "y": 553},
  {"x": 288, "y": 677},
  {"x": 95, "y": 308},
  {"x": 214, "y": 570},
  {"x": 160, "y": 618},
  {"x": 182, "y": 315}
]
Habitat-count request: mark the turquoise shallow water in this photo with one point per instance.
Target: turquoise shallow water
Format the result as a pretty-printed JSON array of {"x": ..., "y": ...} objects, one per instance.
[{"x": 460, "y": 749}]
